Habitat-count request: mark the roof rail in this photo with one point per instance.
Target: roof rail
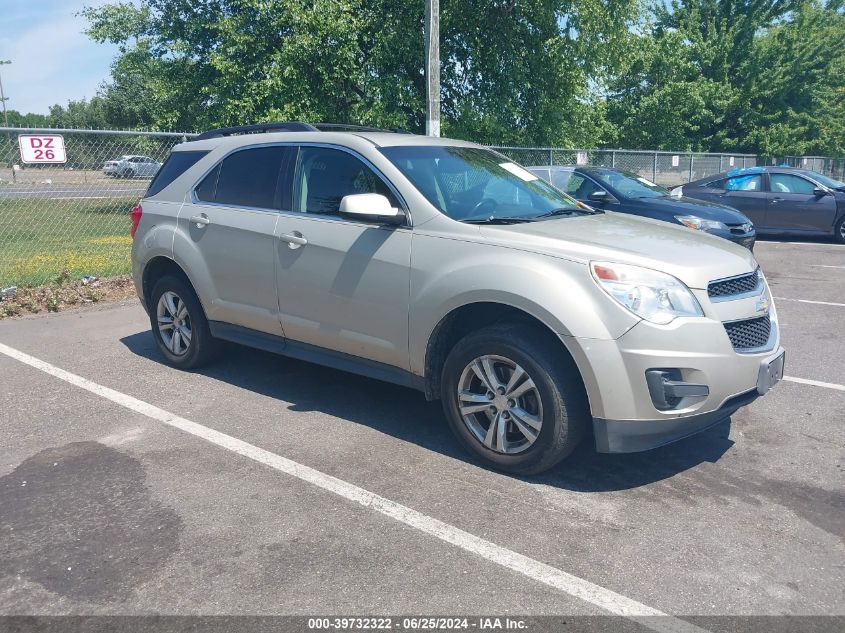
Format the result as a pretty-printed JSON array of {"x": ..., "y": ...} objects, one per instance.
[
  {"x": 283, "y": 126},
  {"x": 292, "y": 126},
  {"x": 348, "y": 127}
]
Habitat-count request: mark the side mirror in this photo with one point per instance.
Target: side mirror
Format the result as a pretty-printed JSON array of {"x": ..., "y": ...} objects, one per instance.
[
  {"x": 819, "y": 192},
  {"x": 599, "y": 196},
  {"x": 370, "y": 207}
]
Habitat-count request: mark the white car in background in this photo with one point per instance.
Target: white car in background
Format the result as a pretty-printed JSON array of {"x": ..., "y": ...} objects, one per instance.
[{"x": 132, "y": 167}]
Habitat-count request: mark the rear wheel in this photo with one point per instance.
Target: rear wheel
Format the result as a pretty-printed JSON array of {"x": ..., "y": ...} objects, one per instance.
[
  {"x": 839, "y": 232},
  {"x": 512, "y": 399},
  {"x": 179, "y": 325}
]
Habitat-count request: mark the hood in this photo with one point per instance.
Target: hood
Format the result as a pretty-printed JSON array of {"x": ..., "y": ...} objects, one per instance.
[
  {"x": 694, "y": 257},
  {"x": 691, "y": 206}
]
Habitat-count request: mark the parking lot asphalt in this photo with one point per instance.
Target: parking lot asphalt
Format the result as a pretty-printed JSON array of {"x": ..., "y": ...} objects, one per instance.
[{"x": 105, "y": 510}]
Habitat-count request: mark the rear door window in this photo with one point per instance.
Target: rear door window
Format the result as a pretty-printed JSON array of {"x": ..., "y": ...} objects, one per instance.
[
  {"x": 744, "y": 183},
  {"x": 249, "y": 178},
  {"x": 175, "y": 165}
]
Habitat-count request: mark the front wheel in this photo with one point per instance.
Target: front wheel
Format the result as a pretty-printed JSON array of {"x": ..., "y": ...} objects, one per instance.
[
  {"x": 839, "y": 232},
  {"x": 179, "y": 325},
  {"x": 513, "y": 399}
]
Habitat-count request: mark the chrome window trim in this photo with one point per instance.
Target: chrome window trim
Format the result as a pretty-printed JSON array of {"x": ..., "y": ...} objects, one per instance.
[{"x": 196, "y": 201}]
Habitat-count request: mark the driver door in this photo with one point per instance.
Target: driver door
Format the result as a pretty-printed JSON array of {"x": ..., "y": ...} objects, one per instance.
[{"x": 343, "y": 285}]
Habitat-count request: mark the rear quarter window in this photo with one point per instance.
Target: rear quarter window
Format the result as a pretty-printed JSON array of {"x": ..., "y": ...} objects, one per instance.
[{"x": 175, "y": 165}]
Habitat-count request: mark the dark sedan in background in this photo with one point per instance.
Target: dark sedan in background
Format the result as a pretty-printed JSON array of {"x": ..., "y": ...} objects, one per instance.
[
  {"x": 779, "y": 200},
  {"x": 616, "y": 190}
]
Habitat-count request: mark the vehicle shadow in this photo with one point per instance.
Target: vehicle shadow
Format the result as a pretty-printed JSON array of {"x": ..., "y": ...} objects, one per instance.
[{"x": 405, "y": 414}]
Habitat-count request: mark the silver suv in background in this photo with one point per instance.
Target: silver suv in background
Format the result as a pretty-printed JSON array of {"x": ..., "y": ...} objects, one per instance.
[{"x": 444, "y": 266}]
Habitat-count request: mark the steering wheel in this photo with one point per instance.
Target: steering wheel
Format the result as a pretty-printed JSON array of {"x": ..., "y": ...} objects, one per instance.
[{"x": 477, "y": 209}]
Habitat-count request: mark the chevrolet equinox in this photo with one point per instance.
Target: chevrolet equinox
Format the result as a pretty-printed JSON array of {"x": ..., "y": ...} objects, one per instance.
[{"x": 443, "y": 266}]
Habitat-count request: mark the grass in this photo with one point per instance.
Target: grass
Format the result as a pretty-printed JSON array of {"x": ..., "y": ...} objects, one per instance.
[{"x": 42, "y": 239}]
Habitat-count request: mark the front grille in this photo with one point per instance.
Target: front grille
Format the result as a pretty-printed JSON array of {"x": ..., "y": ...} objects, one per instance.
[
  {"x": 734, "y": 285},
  {"x": 750, "y": 333}
]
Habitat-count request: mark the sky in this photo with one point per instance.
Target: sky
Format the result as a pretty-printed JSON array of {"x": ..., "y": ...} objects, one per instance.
[{"x": 53, "y": 61}]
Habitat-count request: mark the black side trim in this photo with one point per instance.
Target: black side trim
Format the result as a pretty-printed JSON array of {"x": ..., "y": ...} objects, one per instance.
[
  {"x": 633, "y": 436},
  {"x": 314, "y": 354}
]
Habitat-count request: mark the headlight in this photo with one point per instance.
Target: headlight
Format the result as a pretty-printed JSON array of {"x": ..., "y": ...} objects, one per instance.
[
  {"x": 700, "y": 224},
  {"x": 650, "y": 294}
]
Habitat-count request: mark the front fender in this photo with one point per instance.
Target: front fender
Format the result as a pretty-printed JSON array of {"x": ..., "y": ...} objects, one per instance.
[{"x": 559, "y": 293}]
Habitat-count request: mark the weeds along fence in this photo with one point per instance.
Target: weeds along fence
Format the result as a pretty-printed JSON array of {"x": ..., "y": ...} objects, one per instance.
[{"x": 71, "y": 219}]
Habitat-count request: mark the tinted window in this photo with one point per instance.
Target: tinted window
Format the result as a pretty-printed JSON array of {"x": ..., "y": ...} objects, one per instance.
[
  {"x": 248, "y": 178},
  {"x": 744, "y": 183},
  {"x": 175, "y": 165},
  {"x": 581, "y": 188},
  {"x": 205, "y": 190},
  {"x": 325, "y": 175},
  {"x": 469, "y": 183},
  {"x": 787, "y": 183}
]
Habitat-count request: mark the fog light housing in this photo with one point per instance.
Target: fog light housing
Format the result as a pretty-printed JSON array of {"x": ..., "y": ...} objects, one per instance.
[{"x": 667, "y": 388}]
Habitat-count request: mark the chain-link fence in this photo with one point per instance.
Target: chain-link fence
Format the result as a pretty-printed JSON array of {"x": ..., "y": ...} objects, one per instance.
[
  {"x": 72, "y": 218},
  {"x": 664, "y": 168}
]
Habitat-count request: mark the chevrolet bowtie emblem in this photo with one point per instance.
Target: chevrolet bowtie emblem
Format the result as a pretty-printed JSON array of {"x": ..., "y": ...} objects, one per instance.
[{"x": 762, "y": 305}]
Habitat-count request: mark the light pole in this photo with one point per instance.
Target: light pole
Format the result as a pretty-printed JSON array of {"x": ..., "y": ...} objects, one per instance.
[
  {"x": 3, "y": 96},
  {"x": 432, "y": 67}
]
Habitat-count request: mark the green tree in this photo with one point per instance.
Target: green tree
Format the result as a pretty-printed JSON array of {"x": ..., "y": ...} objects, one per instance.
[
  {"x": 511, "y": 71},
  {"x": 734, "y": 75}
]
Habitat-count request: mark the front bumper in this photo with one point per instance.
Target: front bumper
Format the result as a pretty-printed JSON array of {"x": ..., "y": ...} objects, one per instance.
[
  {"x": 631, "y": 436},
  {"x": 743, "y": 239},
  {"x": 695, "y": 351}
]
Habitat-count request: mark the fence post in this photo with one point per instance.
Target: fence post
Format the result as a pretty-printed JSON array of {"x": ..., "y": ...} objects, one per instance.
[
  {"x": 691, "y": 159},
  {"x": 613, "y": 159},
  {"x": 551, "y": 156},
  {"x": 654, "y": 169},
  {"x": 720, "y": 162}
]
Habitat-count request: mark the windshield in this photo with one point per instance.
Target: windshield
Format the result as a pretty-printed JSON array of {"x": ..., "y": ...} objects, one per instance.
[
  {"x": 630, "y": 185},
  {"x": 825, "y": 180},
  {"x": 472, "y": 184}
]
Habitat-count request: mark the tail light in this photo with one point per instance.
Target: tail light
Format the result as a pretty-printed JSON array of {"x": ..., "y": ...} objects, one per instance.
[{"x": 135, "y": 214}]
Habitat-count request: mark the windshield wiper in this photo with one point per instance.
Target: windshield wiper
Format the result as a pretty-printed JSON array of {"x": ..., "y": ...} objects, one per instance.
[
  {"x": 504, "y": 219},
  {"x": 565, "y": 211}
]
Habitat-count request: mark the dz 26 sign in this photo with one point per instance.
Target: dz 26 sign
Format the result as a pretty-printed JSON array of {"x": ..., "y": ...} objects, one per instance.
[{"x": 41, "y": 148}]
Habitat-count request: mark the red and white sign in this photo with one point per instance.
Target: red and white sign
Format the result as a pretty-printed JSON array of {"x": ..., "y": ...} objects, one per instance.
[{"x": 42, "y": 148}]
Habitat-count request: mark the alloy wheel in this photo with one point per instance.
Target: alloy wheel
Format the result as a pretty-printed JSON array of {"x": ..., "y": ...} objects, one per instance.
[
  {"x": 174, "y": 323},
  {"x": 500, "y": 404}
]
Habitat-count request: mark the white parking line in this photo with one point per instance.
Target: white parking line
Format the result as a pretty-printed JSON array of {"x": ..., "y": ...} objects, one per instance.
[
  {"x": 597, "y": 595},
  {"x": 821, "y": 303},
  {"x": 815, "y": 383},
  {"x": 825, "y": 266}
]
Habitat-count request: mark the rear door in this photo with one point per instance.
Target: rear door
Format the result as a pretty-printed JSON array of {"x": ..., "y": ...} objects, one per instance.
[
  {"x": 230, "y": 218},
  {"x": 343, "y": 284},
  {"x": 744, "y": 192},
  {"x": 793, "y": 205}
]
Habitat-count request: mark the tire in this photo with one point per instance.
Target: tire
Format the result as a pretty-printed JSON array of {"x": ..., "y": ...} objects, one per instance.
[
  {"x": 127, "y": 173},
  {"x": 172, "y": 293},
  {"x": 557, "y": 398},
  {"x": 839, "y": 231}
]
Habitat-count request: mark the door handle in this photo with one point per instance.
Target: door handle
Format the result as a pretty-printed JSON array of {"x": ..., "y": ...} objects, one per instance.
[
  {"x": 294, "y": 240},
  {"x": 200, "y": 220},
  {"x": 774, "y": 200}
]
